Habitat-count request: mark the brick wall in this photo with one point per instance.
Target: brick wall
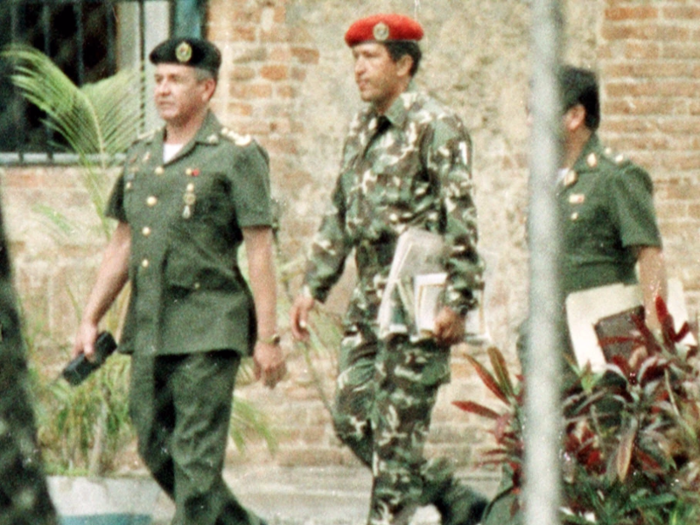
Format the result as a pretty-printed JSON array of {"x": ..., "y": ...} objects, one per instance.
[
  {"x": 286, "y": 79},
  {"x": 649, "y": 59}
]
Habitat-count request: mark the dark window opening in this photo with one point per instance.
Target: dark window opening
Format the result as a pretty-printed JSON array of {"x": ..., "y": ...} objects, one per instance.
[{"x": 88, "y": 40}]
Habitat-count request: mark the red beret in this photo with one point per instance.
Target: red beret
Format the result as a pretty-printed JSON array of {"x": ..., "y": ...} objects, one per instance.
[{"x": 383, "y": 28}]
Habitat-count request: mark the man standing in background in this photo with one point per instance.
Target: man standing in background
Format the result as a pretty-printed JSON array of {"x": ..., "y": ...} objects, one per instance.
[
  {"x": 608, "y": 228},
  {"x": 406, "y": 163}
]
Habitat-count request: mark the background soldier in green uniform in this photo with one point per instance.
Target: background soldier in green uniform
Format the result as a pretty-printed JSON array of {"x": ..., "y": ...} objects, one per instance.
[
  {"x": 607, "y": 221},
  {"x": 406, "y": 163},
  {"x": 24, "y": 495},
  {"x": 606, "y": 205},
  {"x": 189, "y": 195}
]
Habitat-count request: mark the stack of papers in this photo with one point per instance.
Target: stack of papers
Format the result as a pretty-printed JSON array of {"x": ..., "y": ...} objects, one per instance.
[{"x": 414, "y": 290}]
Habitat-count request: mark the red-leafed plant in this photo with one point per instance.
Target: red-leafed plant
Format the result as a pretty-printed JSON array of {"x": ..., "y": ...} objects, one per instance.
[{"x": 631, "y": 449}]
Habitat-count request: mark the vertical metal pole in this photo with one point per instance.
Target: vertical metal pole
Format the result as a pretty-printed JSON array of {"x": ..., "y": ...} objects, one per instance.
[
  {"x": 543, "y": 364},
  {"x": 46, "y": 14},
  {"x": 109, "y": 13},
  {"x": 79, "y": 11}
]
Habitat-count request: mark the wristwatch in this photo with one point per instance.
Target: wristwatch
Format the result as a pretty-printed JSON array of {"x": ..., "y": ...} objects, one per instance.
[{"x": 274, "y": 339}]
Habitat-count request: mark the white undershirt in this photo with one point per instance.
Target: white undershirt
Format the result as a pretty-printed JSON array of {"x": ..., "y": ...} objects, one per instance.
[{"x": 170, "y": 150}]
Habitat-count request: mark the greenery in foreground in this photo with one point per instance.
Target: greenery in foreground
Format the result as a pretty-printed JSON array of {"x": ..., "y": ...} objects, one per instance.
[{"x": 630, "y": 452}]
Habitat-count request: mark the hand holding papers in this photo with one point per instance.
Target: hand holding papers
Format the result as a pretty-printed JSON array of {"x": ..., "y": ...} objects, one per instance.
[
  {"x": 608, "y": 311},
  {"x": 414, "y": 287}
]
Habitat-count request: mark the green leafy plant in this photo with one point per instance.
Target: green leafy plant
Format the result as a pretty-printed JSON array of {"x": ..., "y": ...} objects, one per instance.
[
  {"x": 84, "y": 428},
  {"x": 630, "y": 452}
]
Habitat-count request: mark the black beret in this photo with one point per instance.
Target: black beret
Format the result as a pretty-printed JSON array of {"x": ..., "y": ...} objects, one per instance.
[{"x": 193, "y": 52}]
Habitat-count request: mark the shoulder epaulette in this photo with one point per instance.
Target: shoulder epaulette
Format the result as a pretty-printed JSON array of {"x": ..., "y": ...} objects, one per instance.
[
  {"x": 614, "y": 157},
  {"x": 238, "y": 140},
  {"x": 147, "y": 135}
]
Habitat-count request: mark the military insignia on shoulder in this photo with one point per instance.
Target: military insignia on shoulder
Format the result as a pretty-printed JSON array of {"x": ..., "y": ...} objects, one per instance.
[
  {"x": 380, "y": 32},
  {"x": 238, "y": 140},
  {"x": 183, "y": 52},
  {"x": 617, "y": 158},
  {"x": 147, "y": 135}
]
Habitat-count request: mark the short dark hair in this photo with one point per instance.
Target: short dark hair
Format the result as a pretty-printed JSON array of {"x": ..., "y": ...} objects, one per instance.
[
  {"x": 580, "y": 86},
  {"x": 399, "y": 48}
]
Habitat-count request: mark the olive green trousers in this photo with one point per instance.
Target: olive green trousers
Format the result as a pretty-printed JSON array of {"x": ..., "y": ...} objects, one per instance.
[{"x": 181, "y": 409}]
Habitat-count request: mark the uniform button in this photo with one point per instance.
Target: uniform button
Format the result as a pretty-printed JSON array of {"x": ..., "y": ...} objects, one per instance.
[
  {"x": 146, "y": 231},
  {"x": 574, "y": 216},
  {"x": 197, "y": 286},
  {"x": 152, "y": 201},
  {"x": 190, "y": 187},
  {"x": 145, "y": 263},
  {"x": 129, "y": 185},
  {"x": 159, "y": 170}
]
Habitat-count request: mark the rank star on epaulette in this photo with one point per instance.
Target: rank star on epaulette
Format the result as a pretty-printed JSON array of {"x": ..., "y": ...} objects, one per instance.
[
  {"x": 238, "y": 140},
  {"x": 242, "y": 140}
]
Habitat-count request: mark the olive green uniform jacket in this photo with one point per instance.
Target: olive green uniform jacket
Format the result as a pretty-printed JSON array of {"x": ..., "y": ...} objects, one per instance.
[
  {"x": 606, "y": 210},
  {"x": 186, "y": 218}
]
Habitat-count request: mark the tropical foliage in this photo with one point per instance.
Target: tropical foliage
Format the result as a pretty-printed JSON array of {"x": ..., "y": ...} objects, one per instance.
[
  {"x": 630, "y": 453},
  {"x": 85, "y": 428}
]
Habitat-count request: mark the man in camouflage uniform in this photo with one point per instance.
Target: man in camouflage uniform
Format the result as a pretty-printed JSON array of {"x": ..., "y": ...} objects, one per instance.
[
  {"x": 607, "y": 225},
  {"x": 406, "y": 163},
  {"x": 24, "y": 496},
  {"x": 189, "y": 196}
]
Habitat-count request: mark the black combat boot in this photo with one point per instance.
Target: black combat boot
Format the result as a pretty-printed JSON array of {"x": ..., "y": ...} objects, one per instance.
[{"x": 458, "y": 504}]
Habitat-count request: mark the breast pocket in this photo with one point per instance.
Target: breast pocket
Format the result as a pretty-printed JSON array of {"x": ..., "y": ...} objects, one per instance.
[{"x": 192, "y": 265}]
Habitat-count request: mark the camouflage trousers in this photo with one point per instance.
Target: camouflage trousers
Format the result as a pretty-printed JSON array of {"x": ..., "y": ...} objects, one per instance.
[{"x": 385, "y": 395}]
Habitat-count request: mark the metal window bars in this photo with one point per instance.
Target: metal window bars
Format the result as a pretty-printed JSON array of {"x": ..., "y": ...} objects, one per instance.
[{"x": 89, "y": 40}]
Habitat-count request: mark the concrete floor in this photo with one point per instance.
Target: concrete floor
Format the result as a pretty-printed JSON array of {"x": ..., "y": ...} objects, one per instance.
[{"x": 310, "y": 496}]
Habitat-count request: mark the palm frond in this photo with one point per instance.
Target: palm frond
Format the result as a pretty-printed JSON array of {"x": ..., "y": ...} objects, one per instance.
[
  {"x": 246, "y": 422},
  {"x": 96, "y": 121}
]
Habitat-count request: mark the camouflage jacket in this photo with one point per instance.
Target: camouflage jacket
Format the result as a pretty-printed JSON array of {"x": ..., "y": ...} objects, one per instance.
[{"x": 409, "y": 167}]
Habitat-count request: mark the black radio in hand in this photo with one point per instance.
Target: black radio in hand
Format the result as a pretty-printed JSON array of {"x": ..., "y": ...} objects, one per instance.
[{"x": 80, "y": 368}]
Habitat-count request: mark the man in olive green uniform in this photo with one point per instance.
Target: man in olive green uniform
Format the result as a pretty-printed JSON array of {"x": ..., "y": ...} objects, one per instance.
[
  {"x": 607, "y": 220},
  {"x": 406, "y": 163},
  {"x": 24, "y": 495},
  {"x": 189, "y": 196}
]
